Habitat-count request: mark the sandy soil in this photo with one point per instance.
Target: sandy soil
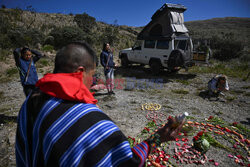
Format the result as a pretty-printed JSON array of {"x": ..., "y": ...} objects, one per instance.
[{"x": 136, "y": 87}]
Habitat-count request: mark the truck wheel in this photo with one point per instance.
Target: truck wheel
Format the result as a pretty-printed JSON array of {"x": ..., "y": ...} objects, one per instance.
[
  {"x": 175, "y": 61},
  {"x": 155, "y": 67},
  {"x": 124, "y": 61}
]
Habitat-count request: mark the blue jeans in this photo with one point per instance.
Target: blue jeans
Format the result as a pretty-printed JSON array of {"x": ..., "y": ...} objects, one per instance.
[{"x": 110, "y": 80}]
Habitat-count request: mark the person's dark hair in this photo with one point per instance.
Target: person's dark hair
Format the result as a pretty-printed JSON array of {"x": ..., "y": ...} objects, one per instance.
[
  {"x": 104, "y": 46},
  {"x": 24, "y": 50},
  {"x": 73, "y": 55},
  {"x": 222, "y": 77}
]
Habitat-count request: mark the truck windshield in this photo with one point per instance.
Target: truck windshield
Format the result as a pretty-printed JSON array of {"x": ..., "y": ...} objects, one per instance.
[{"x": 181, "y": 44}]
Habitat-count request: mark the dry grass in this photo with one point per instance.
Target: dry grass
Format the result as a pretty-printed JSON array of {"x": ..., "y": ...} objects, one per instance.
[{"x": 180, "y": 91}]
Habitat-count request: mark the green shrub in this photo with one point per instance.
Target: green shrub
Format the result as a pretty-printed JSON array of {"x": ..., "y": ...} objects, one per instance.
[
  {"x": 43, "y": 63},
  {"x": 25, "y": 37},
  {"x": 245, "y": 57},
  {"x": 10, "y": 72},
  {"x": 184, "y": 82},
  {"x": 110, "y": 35},
  {"x": 5, "y": 26},
  {"x": 226, "y": 48},
  {"x": 49, "y": 40},
  {"x": 3, "y": 54},
  {"x": 65, "y": 35},
  {"x": 232, "y": 69},
  {"x": 85, "y": 22},
  {"x": 47, "y": 48},
  {"x": 12, "y": 35}
]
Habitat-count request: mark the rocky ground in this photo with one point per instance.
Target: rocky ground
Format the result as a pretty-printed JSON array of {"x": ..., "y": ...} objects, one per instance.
[{"x": 176, "y": 93}]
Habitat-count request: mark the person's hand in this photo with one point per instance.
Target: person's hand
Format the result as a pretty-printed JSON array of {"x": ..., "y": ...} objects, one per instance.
[{"x": 170, "y": 132}]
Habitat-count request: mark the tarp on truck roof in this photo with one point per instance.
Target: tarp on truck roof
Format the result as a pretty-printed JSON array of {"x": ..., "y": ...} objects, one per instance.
[{"x": 168, "y": 21}]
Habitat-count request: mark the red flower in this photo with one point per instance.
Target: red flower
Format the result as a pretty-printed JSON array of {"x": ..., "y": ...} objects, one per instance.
[
  {"x": 200, "y": 133},
  {"x": 176, "y": 139},
  {"x": 216, "y": 163},
  {"x": 157, "y": 160},
  {"x": 235, "y": 146},
  {"x": 239, "y": 156},
  {"x": 147, "y": 129},
  {"x": 165, "y": 159},
  {"x": 178, "y": 144},
  {"x": 196, "y": 138},
  {"x": 184, "y": 139},
  {"x": 211, "y": 117},
  {"x": 161, "y": 156},
  {"x": 235, "y": 123},
  {"x": 169, "y": 117},
  {"x": 227, "y": 130}
]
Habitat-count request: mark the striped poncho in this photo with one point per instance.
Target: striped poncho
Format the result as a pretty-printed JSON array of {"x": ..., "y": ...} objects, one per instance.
[{"x": 56, "y": 132}]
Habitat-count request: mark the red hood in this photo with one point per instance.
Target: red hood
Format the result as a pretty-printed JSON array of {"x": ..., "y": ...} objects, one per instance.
[{"x": 66, "y": 86}]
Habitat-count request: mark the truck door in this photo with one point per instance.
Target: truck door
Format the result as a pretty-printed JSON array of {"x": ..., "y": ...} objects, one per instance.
[
  {"x": 163, "y": 50},
  {"x": 136, "y": 51},
  {"x": 148, "y": 51}
]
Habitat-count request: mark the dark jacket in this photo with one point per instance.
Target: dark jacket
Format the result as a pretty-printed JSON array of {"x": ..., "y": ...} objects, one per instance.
[
  {"x": 104, "y": 58},
  {"x": 23, "y": 66}
]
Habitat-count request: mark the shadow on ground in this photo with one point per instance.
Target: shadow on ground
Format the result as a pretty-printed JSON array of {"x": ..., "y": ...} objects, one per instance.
[
  {"x": 204, "y": 94},
  {"x": 5, "y": 119},
  {"x": 141, "y": 72},
  {"x": 247, "y": 122}
]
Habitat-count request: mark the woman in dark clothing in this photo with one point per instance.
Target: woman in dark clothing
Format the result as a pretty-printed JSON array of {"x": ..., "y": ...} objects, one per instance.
[{"x": 108, "y": 64}]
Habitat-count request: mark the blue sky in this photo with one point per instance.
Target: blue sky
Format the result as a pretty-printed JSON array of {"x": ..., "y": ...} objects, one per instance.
[{"x": 135, "y": 12}]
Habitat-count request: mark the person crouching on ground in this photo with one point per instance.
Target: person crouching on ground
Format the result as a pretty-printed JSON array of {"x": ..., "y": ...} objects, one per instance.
[
  {"x": 59, "y": 124},
  {"x": 216, "y": 85},
  {"x": 108, "y": 64},
  {"x": 26, "y": 66}
]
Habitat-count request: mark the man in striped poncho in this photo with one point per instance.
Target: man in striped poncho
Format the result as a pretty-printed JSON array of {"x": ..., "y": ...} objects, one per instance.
[{"x": 59, "y": 124}]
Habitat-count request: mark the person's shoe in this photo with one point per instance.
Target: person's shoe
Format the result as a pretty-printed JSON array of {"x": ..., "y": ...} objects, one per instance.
[{"x": 112, "y": 92}]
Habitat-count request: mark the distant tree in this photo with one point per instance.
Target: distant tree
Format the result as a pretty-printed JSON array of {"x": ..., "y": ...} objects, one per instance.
[
  {"x": 3, "y": 6},
  {"x": 20, "y": 36},
  {"x": 110, "y": 34},
  {"x": 85, "y": 22},
  {"x": 64, "y": 35},
  {"x": 30, "y": 9},
  {"x": 226, "y": 47}
]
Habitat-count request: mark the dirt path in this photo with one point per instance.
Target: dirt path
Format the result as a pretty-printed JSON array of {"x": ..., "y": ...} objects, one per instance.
[{"x": 177, "y": 93}]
